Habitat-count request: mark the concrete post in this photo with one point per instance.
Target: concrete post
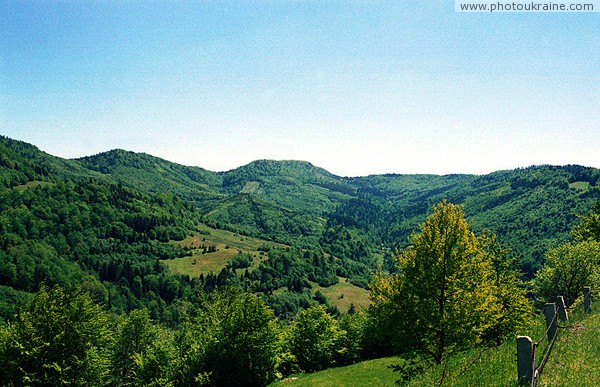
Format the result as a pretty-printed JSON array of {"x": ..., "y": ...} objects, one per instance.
[
  {"x": 551, "y": 323},
  {"x": 524, "y": 360},
  {"x": 562, "y": 309},
  {"x": 587, "y": 299}
]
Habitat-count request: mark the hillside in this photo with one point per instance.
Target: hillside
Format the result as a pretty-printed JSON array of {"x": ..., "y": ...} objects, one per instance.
[
  {"x": 573, "y": 361},
  {"x": 296, "y": 202},
  {"x": 120, "y": 221},
  {"x": 152, "y": 174}
]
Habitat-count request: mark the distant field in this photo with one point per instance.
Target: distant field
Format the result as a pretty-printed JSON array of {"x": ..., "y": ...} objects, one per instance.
[
  {"x": 344, "y": 293},
  {"x": 227, "y": 243},
  {"x": 31, "y": 184},
  {"x": 580, "y": 185}
]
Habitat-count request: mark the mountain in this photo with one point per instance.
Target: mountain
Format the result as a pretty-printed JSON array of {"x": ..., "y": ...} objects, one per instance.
[
  {"x": 21, "y": 163},
  {"x": 111, "y": 220},
  {"x": 152, "y": 174}
]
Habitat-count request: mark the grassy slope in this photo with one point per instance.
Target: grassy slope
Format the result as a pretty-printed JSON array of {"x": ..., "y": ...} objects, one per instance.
[
  {"x": 343, "y": 294},
  {"x": 228, "y": 245},
  {"x": 574, "y": 361},
  {"x": 368, "y": 373}
]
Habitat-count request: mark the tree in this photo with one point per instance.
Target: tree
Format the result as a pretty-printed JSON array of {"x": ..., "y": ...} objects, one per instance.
[
  {"x": 569, "y": 267},
  {"x": 247, "y": 340},
  {"x": 515, "y": 311},
  {"x": 445, "y": 295},
  {"x": 588, "y": 226},
  {"x": 60, "y": 338},
  {"x": 233, "y": 342},
  {"x": 143, "y": 352},
  {"x": 316, "y": 339}
]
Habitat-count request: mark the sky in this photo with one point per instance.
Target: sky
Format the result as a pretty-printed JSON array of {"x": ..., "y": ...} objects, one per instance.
[{"x": 357, "y": 87}]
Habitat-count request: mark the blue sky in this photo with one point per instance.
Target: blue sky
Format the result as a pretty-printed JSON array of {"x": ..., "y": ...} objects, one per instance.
[{"x": 357, "y": 87}]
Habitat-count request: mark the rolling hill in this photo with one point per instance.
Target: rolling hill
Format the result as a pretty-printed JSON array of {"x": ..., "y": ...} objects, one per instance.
[{"x": 113, "y": 220}]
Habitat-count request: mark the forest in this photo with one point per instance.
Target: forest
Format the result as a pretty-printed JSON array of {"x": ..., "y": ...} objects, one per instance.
[{"x": 87, "y": 294}]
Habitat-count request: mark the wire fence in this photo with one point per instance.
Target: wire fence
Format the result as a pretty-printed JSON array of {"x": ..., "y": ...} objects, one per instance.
[
  {"x": 537, "y": 370},
  {"x": 529, "y": 369}
]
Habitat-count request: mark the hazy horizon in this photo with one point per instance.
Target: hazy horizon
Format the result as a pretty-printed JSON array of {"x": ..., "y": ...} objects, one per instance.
[{"x": 310, "y": 162}]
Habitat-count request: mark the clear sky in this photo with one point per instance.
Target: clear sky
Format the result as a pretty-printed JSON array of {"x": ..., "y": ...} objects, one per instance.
[{"x": 354, "y": 86}]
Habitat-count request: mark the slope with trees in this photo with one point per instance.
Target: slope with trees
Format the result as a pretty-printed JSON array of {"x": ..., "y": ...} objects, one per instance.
[{"x": 450, "y": 291}]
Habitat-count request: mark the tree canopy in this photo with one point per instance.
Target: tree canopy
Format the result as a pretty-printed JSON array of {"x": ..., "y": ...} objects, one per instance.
[{"x": 447, "y": 293}]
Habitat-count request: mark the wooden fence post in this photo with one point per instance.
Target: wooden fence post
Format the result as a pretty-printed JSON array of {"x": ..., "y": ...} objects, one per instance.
[
  {"x": 587, "y": 299},
  {"x": 524, "y": 360},
  {"x": 551, "y": 324},
  {"x": 561, "y": 308}
]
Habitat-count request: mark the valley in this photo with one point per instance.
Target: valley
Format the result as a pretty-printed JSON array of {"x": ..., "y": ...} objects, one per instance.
[{"x": 204, "y": 263}]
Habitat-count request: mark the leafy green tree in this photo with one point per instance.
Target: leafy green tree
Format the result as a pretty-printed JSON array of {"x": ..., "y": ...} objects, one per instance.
[
  {"x": 352, "y": 343},
  {"x": 444, "y": 295},
  {"x": 286, "y": 363},
  {"x": 589, "y": 225},
  {"x": 515, "y": 311},
  {"x": 316, "y": 339},
  {"x": 143, "y": 352},
  {"x": 245, "y": 352},
  {"x": 569, "y": 267},
  {"x": 232, "y": 343},
  {"x": 60, "y": 338}
]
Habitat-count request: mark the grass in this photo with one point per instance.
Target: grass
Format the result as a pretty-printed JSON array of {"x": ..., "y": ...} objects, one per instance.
[
  {"x": 367, "y": 373},
  {"x": 228, "y": 244},
  {"x": 31, "y": 184},
  {"x": 200, "y": 263},
  {"x": 580, "y": 185},
  {"x": 343, "y": 294},
  {"x": 574, "y": 361}
]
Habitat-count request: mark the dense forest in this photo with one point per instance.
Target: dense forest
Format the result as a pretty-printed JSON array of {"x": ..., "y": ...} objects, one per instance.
[{"x": 88, "y": 244}]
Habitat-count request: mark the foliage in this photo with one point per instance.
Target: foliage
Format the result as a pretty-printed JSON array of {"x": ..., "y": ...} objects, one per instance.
[
  {"x": 233, "y": 342},
  {"x": 152, "y": 174},
  {"x": 588, "y": 226},
  {"x": 143, "y": 352},
  {"x": 240, "y": 261},
  {"x": 60, "y": 338},
  {"x": 515, "y": 310},
  {"x": 569, "y": 267},
  {"x": 102, "y": 235},
  {"x": 573, "y": 362},
  {"x": 446, "y": 294},
  {"x": 353, "y": 341},
  {"x": 107, "y": 223},
  {"x": 106, "y": 219},
  {"x": 316, "y": 339}
]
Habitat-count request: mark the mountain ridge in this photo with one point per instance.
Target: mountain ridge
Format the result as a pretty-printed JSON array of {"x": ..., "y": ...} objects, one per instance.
[{"x": 296, "y": 202}]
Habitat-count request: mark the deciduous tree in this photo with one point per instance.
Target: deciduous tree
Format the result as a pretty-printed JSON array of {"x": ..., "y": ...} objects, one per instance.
[
  {"x": 568, "y": 269},
  {"x": 60, "y": 338},
  {"x": 316, "y": 339},
  {"x": 447, "y": 292}
]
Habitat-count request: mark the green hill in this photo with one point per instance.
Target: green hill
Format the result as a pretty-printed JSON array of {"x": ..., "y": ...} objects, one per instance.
[
  {"x": 152, "y": 174},
  {"x": 295, "y": 202},
  {"x": 118, "y": 212}
]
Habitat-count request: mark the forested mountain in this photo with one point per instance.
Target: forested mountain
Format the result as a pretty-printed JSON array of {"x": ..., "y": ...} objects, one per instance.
[
  {"x": 296, "y": 202},
  {"x": 109, "y": 221}
]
